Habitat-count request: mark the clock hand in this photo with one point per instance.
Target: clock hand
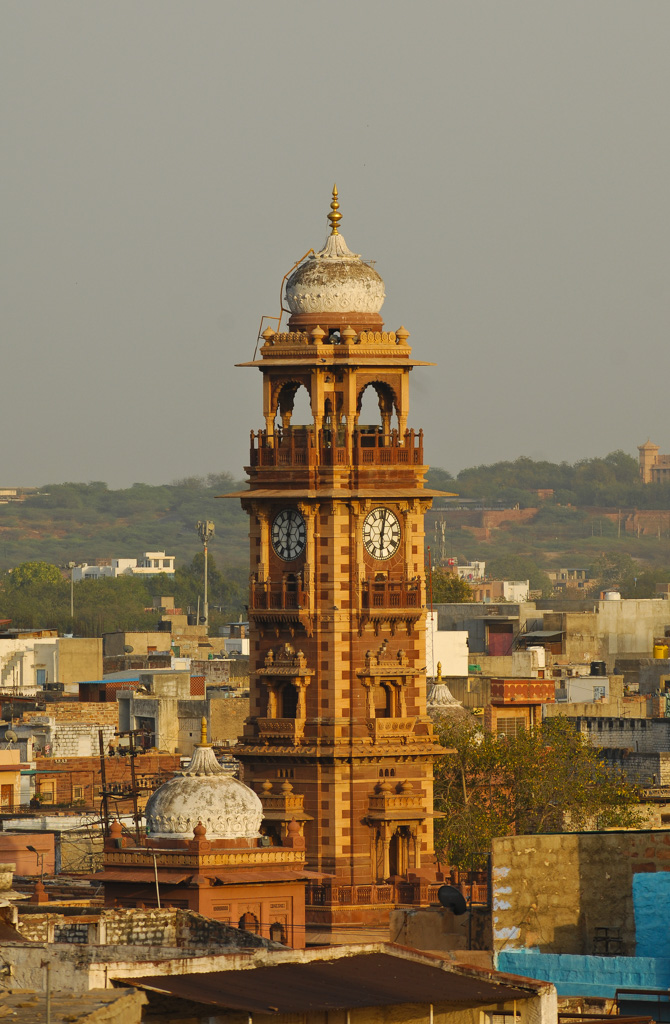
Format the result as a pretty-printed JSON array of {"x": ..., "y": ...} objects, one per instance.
[{"x": 381, "y": 535}]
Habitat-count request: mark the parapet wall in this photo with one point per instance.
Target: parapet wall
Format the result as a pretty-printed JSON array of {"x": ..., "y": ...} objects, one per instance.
[{"x": 571, "y": 892}]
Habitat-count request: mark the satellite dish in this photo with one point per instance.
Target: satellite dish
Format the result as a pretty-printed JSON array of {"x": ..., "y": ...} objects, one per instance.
[
  {"x": 128, "y": 649},
  {"x": 452, "y": 898},
  {"x": 11, "y": 736}
]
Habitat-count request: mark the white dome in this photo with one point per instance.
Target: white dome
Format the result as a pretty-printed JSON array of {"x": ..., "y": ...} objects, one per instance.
[
  {"x": 335, "y": 280},
  {"x": 206, "y": 793}
]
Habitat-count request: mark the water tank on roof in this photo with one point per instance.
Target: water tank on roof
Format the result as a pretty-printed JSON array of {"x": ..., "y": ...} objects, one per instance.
[
  {"x": 611, "y": 595},
  {"x": 598, "y": 668}
]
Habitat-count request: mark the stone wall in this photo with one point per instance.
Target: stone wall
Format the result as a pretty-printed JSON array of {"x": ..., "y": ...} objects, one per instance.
[
  {"x": 227, "y": 718},
  {"x": 136, "y": 927},
  {"x": 553, "y": 892}
]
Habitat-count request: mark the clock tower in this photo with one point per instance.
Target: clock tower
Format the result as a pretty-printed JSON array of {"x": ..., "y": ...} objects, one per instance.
[{"x": 338, "y": 736}]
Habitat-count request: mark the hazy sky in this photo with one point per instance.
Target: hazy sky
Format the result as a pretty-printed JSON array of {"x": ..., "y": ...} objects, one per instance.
[{"x": 165, "y": 163}]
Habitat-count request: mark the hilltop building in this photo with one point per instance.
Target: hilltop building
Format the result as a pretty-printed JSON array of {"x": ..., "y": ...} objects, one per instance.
[
  {"x": 654, "y": 468},
  {"x": 337, "y": 602},
  {"x": 150, "y": 563}
]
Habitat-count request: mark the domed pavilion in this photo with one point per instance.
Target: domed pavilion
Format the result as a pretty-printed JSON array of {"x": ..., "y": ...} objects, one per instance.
[{"x": 204, "y": 851}]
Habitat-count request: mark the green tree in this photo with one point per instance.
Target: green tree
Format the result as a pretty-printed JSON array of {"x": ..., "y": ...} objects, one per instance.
[
  {"x": 449, "y": 588},
  {"x": 613, "y": 570},
  {"x": 28, "y": 574},
  {"x": 547, "y": 779}
]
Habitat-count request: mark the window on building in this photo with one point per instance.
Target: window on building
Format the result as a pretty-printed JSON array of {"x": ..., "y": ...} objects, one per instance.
[
  {"x": 249, "y": 923},
  {"x": 166, "y": 563},
  {"x": 41, "y": 676},
  {"x": 277, "y": 932},
  {"x": 511, "y": 727},
  {"x": 47, "y": 792},
  {"x": 77, "y": 792},
  {"x": 289, "y": 701}
]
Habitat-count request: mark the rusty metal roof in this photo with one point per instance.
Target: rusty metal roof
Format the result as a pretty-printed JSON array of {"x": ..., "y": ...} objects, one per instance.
[{"x": 367, "y": 979}]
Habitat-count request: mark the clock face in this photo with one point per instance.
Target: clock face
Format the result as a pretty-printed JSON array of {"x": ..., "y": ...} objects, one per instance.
[
  {"x": 288, "y": 534},
  {"x": 381, "y": 533}
]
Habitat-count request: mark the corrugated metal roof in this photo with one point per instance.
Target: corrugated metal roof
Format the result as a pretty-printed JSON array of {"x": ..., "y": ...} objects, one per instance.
[{"x": 369, "y": 979}]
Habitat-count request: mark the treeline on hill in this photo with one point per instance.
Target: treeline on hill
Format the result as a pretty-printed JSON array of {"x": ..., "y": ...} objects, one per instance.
[
  {"x": 37, "y": 594},
  {"x": 82, "y": 522},
  {"x": 612, "y": 481}
]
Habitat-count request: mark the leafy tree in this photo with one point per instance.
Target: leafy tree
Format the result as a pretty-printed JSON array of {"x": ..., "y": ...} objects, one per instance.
[
  {"x": 449, "y": 588},
  {"x": 28, "y": 574},
  {"x": 440, "y": 479},
  {"x": 547, "y": 779},
  {"x": 613, "y": 570}
]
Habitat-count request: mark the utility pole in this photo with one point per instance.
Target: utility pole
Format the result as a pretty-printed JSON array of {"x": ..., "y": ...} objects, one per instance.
[
  {"x": 205, "y": 530},
  {"x": 71, "y": 566}
]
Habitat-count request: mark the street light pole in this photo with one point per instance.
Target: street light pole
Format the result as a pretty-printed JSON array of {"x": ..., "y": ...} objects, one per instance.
[
  {"x": 205, "y": 530},
  {"x": 71, "y": 566}
]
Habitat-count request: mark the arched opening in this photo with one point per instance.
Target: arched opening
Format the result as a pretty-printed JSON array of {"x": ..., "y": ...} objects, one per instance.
[
  {"x": 249, "y": 923},
  {"x": 289, "y": 701},
  {"x": 374, "y": 408},
  {"x": 277, "y": 932},
  {"x": 293, "y": 410}
]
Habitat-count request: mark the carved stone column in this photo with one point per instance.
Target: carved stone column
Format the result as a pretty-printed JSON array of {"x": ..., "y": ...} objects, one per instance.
[{"x": 263, "y": 522}]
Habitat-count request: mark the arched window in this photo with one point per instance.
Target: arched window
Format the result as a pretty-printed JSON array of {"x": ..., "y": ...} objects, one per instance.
[{"x": 249, "y": 923}]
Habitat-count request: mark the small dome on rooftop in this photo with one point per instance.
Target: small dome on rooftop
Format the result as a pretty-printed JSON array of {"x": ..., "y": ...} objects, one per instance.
[{"x": 204, "y": 794}]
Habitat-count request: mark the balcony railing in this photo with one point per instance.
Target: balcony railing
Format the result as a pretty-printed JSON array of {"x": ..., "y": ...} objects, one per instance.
[
  {"x": 391, "y": 594},
  {"x": 302, "y": 446},
  {"x": 278, "y": 595},
  {"x": 403, "y": 893}
]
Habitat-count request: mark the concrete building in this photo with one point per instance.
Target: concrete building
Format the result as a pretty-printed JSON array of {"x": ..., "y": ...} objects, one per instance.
[
  {"x": 68, "y": 729},
  {"x": 471, "y": 571},
  {"x": 10, "y": 778},
  {"x": 492, "y": 628},
  {"x": 492, "y": 591},
  {"x": 568, "y": 580},
  {"x": 516, "y": 705},
  {"x": 29, "y": 664},
  {"x": 654, "y": 468},
  {"x": 150, "y": 563},
  {"x": 448, "y": 647},
  {"x": 586, "y": 911}
]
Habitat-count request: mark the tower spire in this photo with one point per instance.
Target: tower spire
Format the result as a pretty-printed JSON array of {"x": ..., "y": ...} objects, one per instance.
[{"x": 334, "y": 217}]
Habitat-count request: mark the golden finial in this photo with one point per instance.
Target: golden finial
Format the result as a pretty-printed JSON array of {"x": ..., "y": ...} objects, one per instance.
[
  {"x": 334, "y": 217},
  {"x": 203, "y": 732},
  {"x": 439, "y": 670}
]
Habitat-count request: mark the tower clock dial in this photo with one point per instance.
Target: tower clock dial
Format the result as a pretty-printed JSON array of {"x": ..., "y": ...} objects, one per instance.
[
  {"x": 288, "y": 534},
  {"x": 381, "y": 533}
]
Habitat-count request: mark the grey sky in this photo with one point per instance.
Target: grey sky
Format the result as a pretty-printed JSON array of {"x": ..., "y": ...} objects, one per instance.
[{"x": 506, "y": 165}]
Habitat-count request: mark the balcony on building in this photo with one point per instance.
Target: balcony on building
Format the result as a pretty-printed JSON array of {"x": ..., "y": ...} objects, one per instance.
[
  {"x": 286, "y": 593},
  {"x": 385, "y": 593},
  {"x": 304, "y": 446}
]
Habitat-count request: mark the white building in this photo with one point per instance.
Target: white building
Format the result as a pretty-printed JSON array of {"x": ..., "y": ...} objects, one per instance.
[
  {"x": 449, "y": 647},
  {"x": 151, "y": 563},
  {"x": 471, "y": 571}
]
